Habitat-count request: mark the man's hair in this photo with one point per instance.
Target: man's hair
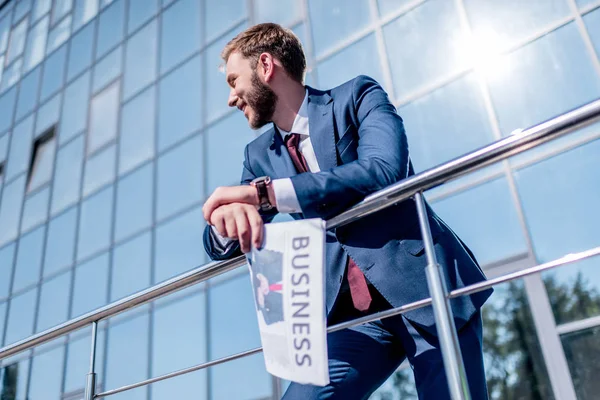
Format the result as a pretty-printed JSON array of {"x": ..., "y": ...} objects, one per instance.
[{"x": 270, "y": 38}]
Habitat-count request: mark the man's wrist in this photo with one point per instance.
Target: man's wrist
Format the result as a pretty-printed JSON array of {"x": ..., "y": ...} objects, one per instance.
[{"x": 271, "y": 193}]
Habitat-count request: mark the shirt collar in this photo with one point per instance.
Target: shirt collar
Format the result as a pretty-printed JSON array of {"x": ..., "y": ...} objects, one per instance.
[{"x": 300, "y": 124}]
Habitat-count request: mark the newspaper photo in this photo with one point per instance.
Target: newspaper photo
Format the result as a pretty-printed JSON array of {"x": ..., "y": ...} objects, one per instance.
[{"x": 287, "y": 275}]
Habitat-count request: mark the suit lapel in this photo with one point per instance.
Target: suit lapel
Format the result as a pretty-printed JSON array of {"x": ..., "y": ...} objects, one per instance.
[
  {"x": 280, "y": 158},
  {"x": 320, "y": 124}
]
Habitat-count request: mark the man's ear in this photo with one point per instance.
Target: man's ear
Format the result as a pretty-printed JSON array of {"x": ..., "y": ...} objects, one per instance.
[{"x": 266, "y": 66}]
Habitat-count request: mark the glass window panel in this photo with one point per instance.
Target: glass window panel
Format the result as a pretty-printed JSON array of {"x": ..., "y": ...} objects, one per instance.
[
  {"x": 80, "y": 50},
  {"x": 179, "y": 178},
  {"x": 283, "y": 12},
  {"x": 134, "y": 202},
  {"x": 59, "y": 34},
  {"x": 225, "y": 150},
  {"x": 91, "y": 284},
  {"x": 460, "y": 125},
  {"x": 107, "y": 69},
  {"x": 559, "y": 221},
  {"x": 60, "y": 9},
  {"x": 104, "y": 118},
  {"x": 85, "y": 10},
  {"x": 140, "y": 60},
  {"x": 252, "y": 380},
  {"x": 3, "y": 147},
  {"x": 333, "y": 21},
  {"x": 41, "y": 169},
  {"x": 36, "y": 210},
  {"x": 54, "y": 72},
  {"x": 16, "y": 44},
  {"x": 521, "y": 78},
  {"x": 177, "y": 245},
  {"x": 360, "y": 58},
  {"x": 181, "y": 35},
  {"x": 21, "y": 8},
  {"x": 40, "y": 8},
  {"x": 28, "y": 92},
  {"x": 580, "y": 348},
  {"x": 11, "y": 75},
  {"x": 592, "y": 23},
  {"x": 180, "y": 103},
  {"x": 54, "y": 302},
  {"x": 232, "y": 311},
  {"x": 137, "y": 131},
  {"x": 497, "y": 25},
  {"x": 105, "y": 3},
  {"x": 29, "y": 259},
  {"x": 16, "y": 376},
  {"x": 389, "y": 6},
  {"x": 20, "y": 149},
  {"x": 2, "y": 319},
  {"x": 99, "y": 170},
  {"x": 36, "y": 44},
  {"x": 131, "y": 267},
  {"x": 78, "y": 361},
  {"x": 7, "y": 107},
  {"x": 20, "y": 316},
  {"x": 1, "y": 67},
  {"x": 95, "y": 223},
  {"x": 183, "y": 323},
  {"x": 67, "y": 178},
  {"x": 111, "y": 27},
  {"x": 166, "y": 2},
  {"x": 10, "y": 209},
  {"x": 127, "y": 355},
  {"x": 222, "y": 15},
  {"x": 4, "y": 33},
  {"x": 47, "y": 115},
  {"x": 471, "y": 214},
  {"x": 7, "y": 254},
  {"x": 75, "y": 108},
  {"x": 140, "y": 11},
  {"x": 61, "y": 242},
  {"x": 46, "y": 375},
  {"x": 435, "y": 49}
]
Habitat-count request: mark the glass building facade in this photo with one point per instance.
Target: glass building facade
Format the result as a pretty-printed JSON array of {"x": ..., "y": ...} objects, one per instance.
[{"x": 114, "y": 128}]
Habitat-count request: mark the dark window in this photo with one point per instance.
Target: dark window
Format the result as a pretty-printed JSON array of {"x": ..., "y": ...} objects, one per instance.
[{"x": 42, "y": 159}]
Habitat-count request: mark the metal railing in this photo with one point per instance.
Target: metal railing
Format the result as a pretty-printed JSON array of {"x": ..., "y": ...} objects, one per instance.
[{"x": 410, "y": 187}]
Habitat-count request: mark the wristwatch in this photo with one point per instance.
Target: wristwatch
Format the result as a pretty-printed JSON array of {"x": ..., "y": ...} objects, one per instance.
[{"x": 261, "y": 184}]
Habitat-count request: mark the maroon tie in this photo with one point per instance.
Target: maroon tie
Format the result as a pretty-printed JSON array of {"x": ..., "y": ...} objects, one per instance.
[{"x": 356, "y": 279}]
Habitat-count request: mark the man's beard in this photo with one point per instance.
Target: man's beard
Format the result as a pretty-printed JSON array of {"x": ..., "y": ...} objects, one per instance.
[{"x": 262, "y": 100}]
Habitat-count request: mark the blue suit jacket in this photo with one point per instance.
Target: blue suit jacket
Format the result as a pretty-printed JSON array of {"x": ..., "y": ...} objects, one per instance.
[{"x": 361, "y": 147}]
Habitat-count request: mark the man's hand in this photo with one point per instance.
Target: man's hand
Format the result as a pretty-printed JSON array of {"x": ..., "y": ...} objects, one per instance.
[
  {"x": 229, "y": 194},
  {"x": 239, "y": 221}
]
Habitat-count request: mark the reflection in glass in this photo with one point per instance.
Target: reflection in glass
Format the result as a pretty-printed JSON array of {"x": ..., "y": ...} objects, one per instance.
[
  {"x": 140, "y": 11},
  {"x": 99, "y": 170},
  {"x": 95, "y": 223},
  {"x": 36, "y": 209},
  {"x": 7, "y": 254},
  {"x": 140, "y": 60},
  {"x": 177, "y": 245},
  {"x": 181, "y": 35},
  {"x": 14, "y": 379},
  {"x": 29, "y": 259},
  {"x": 111, "y": 26},
  {"x": 36, "y": 44},
  {"x": 46, "y": 374},
  {"x": 28, "y": 94},
  {"x": 179, "y": 178},
  {"x": 7, "y": 107},
  {"x": 66, "y": 184},
  {"x": 104, "y": 118},
  {"x": 54, "y": 302},
  {"x": 54, "y": 71},
  {"x": 11, "y": 74},
  {"x": 90, "y": 287},
  {"x": 85, "y": 10},
  {"x": 60, "y": 242},
  {"x": 10, "y": 209},
  {"x": 60, "y": 9},
  {"x": 21, "y": 316},
  {"x": 20, "y": 149},
  {"x": 40, "y": 8},
  {"x": 59, "y": 34},
  {"x": 180, "y": 103},
  {"x": 137, "y": 131},
  {"x": 4, "y": 33},
  {"x": 334, "y": 21},
  {"x": 107, "y": 69},
  {"x": 134, "y": 202},
  {"x": 16, "y": 44},
  {"x": 80, "y": 50},
  {"x": 283, "y": 12},
  {"x": 222, "y": 15},
  {"x": 75, "y": 108},
  {"x": 131, "y": 267},
  {"x": 581, "y": 349},
  {"x": 360, "y": 58}
]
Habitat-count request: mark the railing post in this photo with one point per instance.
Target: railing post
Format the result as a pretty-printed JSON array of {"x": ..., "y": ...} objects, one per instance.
[
  {"x": 453, "y": 362},
  {"x": 90, "y": 384}
]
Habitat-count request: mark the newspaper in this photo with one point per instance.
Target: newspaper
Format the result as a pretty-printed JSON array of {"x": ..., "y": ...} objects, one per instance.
[{"x": 287, "y": 275}]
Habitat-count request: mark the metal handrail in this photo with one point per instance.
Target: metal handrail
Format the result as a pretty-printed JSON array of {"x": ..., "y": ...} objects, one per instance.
[{"x": 499, "y": 150}]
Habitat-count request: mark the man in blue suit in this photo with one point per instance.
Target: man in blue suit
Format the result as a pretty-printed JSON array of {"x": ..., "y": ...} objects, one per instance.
[{"x": 325, "y": 152}]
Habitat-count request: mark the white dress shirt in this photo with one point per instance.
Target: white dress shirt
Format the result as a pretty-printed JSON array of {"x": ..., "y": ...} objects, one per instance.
[{"x": 285, "y": 194}]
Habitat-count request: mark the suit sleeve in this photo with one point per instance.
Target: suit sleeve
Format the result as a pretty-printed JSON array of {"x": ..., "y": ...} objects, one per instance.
[
  {"x": 382, "y": 157},
  {"x": 212, "y": 245}
]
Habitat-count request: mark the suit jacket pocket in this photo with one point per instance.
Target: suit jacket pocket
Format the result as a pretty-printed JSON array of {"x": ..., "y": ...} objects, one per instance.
[{"x": 347, "y": 146}]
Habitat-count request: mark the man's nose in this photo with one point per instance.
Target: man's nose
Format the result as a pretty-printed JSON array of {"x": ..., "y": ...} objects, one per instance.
[{"x": 233, "y": 98}]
